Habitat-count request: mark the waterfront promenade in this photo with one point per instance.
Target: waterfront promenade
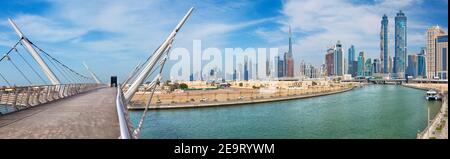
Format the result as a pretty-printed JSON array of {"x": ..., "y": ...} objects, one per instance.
[
  {"x": 437, "y": 128},
  {"x": 87, "y": 115},
  {"x": 277, "y": 96}
]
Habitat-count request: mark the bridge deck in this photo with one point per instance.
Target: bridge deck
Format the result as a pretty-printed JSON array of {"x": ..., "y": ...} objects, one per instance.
[{"x": 88, "y": 115}]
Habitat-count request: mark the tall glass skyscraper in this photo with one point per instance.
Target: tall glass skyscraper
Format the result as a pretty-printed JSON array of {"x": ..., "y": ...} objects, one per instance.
[
  {"x": 384, "y": 44},
  {"x": 400, "y": 45},
  {"x": 351, "y": 58},
  {"x": 289, "y": 59},
  {"x": 339, "y": 59},
  {"x": 421, "y": 63},
  {"x": 361, "y": 64},
  {"x": 412, "y": 66}
]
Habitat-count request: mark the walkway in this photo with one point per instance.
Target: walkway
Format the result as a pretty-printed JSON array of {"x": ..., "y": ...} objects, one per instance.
[{"x": 88, "y": 115}]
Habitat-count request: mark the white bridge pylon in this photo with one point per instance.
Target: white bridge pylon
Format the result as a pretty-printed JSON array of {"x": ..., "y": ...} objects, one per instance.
[
  {"x": 92, "y": 74},
  {"x": 47, "y": 71},
  {"x": 157, "y": 55}
]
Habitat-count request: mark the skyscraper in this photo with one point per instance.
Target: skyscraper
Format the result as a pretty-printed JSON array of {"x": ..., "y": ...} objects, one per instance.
[
  {"x": 412, "y": 66},
  {"x": 400, "y": 45},
  {"x": 421, "y": 63},
  {"x": 384, "y": 44},
  {"x": 329, "y": 62},
  {"x": 361, "y": 64},
  {"x": 376, "y": 66},
  {"x": 368, "y": 67},
  {"x": 441, "y": 56},
  {"x": 338, "y": 59},
  {"x": 432, "y": 34},
  {"x": 289, "y": 59},
  {"x": 245, "y": 70},
  {"x": 351, "y": 58},
  {"x": 280, "y": 66}
]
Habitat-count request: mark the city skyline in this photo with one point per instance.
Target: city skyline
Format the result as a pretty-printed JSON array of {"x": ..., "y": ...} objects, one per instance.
[{"x": 76, "y": 35}]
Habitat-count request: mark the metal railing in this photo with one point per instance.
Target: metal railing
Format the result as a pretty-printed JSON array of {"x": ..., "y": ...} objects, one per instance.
[
  {"x": 124, "y": 121},
  {"x": 18, "y": 98}
]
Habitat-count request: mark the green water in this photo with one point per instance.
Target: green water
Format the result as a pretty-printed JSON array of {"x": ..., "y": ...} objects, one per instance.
[{"x": 376, "y": 111}]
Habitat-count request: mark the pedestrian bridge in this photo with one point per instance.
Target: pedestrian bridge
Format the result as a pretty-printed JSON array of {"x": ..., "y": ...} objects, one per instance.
[
  {"x": 74, "y": 106},
  {"x": 91, "y": 114}
]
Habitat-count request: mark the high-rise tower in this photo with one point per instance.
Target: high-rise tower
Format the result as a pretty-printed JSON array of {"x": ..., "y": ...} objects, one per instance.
[
  {"x": 289, "y": 58},
  {"x": 431, "y": 53},
  {"x": 338, "y": 59},
  {"x": 351, "y": 59},
  {"x": 384, "y": 45},
  {"x": 400, "y": 45}
]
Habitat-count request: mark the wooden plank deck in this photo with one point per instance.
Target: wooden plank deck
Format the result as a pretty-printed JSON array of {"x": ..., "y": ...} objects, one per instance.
[{"x": 88, "y": 115}]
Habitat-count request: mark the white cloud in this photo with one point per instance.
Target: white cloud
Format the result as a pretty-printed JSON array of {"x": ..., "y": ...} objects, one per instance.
[{"x": 138, "y": 27}]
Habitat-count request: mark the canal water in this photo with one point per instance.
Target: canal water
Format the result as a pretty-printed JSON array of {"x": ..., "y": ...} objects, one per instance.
[{"x": 375, "y": 111}]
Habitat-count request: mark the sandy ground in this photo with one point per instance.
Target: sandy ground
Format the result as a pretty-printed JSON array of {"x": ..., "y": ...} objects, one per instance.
[{"x": 227, "y": 94}]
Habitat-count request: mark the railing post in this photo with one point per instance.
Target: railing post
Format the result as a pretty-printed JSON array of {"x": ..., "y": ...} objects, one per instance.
[
  {"x": 70, "y": 89},
  {"x": 55, "y": 90},
  {"x": 38, "y": 95},
  {"x": 46, "y": 94},
  {"x": 58, "y": 91},
  {"x": 27, "y": 98},
  {"x": 64, "y": 91},
  {"x": 14, "y": 102},
  {"x": 51, "y": 93},
  {"x": 1, "y": 96}
]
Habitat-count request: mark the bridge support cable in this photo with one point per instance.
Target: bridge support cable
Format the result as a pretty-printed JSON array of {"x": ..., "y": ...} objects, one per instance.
[
  {"x": 5, "y": 56},
  {"x": 50, "y": 75},
  {"x": 20, "y": 71},
  {"x": 131, "y": 75},
  {"x": 31, "y": 67},
  {"x": 154, "y": 84},
  {"x": 139, "y": 97},
  {"x": 4, "y": 79},
  {"x": 123, "y": 99},
  {"x": 60, "y": 63},
  {"x": 10, "y": 50},
  {"x": 56, "y": 67}
]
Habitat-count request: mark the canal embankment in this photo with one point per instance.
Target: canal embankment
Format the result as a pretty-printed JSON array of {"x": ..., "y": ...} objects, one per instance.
[
  {"x": 240, "y": 102},
  {"x": 437, "y": 128}
]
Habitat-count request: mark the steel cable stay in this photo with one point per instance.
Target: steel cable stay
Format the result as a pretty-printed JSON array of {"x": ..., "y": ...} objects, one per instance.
[
  {"x": 4, "y": 79},
  {"x": 29, "y": 65},
  {"x": 20, "y": 71},
  {"x": 140, "y": 96},
  {"x": 56, "y": 67},
  {"x": 71, "y": 79},
  {"x": 137, "y": 131},
  {"x": 5, "y": 57},
  {"x": 57, "y": 61},
  {"x": 50, "y": 58},
  {"x": 10, "y": 50},
  {"x": 138, "y": 67}
]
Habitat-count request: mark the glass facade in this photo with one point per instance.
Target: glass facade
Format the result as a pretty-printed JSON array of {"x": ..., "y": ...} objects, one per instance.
[
  {"x": 351, "y": 58},
  {"x": 400, "y": 45},
  {"x": 412, "y": 66},
  {"x": 361, "y": 64},
  {"x": 339, "y": 59},
  {"x": 421, "y": 64},
  {"x": 384, "y": 37}
]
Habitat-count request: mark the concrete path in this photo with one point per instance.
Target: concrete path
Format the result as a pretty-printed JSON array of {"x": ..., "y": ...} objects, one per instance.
[{"x": 88, "y": 115}]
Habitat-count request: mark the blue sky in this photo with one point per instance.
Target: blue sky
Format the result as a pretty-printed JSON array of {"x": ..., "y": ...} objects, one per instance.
[{"x": 112, "y": 36}]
